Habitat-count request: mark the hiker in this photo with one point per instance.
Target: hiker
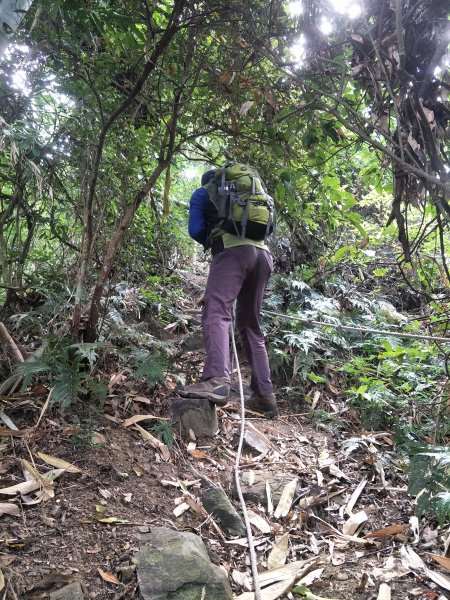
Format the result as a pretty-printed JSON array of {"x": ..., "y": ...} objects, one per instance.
[{"x": 240, "y": 269}]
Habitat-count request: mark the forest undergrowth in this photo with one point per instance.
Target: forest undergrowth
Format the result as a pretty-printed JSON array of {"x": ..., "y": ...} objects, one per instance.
[{"x": 378, "y": 398}]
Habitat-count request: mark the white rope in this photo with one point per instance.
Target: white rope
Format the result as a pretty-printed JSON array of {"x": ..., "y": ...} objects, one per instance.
[
  {"x": 414, "y": 336},
  {"x": 251, "y": 545}
]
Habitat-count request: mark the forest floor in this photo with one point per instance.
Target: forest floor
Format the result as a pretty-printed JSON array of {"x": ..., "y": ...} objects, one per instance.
[{"x": 351, "y": 514}]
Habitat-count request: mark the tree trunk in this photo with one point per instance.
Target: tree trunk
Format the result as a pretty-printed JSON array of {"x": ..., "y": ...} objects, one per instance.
[
  {"x": 86, "y": 247},
  {"x": 113, "y": 247}
]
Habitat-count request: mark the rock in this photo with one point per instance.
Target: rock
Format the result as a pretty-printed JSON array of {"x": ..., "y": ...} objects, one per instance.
[
  {"x": 196, "y": 414},
  {"x": 193, "y": 342},
  {"x": 218, "y": 504},
  {"x": 72, "y": 591},
  {"x": 175, "y": 566}
]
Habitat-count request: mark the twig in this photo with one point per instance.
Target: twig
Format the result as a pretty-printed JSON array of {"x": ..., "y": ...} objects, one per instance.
[{"x": 10, "y": 345}]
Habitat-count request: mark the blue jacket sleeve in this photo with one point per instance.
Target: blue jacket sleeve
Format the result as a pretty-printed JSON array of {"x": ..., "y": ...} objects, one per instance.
[{"x": 197, "y": 215}]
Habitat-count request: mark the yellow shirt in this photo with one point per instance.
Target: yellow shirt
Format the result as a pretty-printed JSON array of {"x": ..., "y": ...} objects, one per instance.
[{"x": 230, "y": 241}]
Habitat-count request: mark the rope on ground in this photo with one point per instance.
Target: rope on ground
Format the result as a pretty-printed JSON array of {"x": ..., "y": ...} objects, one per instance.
[
  {"x": 414, "y": 336},
  {"x": 251, "y": 545}
]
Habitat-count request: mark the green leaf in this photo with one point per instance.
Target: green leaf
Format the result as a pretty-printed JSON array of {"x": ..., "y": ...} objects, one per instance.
[
  {"x": 344, "y": 251},
  {"x": 316, "y": 378},
  {"x": 350, "y": 202},
  {"x": 280, "y": 192}
]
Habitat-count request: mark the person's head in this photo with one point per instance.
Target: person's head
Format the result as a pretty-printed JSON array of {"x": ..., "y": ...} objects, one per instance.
[{"x": 206, "y": 177}]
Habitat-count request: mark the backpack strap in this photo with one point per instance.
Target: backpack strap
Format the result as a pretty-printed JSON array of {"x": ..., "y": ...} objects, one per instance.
[{"x": 272, "y": 223}]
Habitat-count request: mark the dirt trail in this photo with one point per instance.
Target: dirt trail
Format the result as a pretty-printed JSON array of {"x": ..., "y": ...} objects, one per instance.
[{"x": 350, "y": 512}]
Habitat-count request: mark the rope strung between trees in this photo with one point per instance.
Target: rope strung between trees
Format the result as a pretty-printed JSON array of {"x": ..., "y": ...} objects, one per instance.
[
  {"x": 414, "y": 336},
  {"x": 251, "y": 545}
]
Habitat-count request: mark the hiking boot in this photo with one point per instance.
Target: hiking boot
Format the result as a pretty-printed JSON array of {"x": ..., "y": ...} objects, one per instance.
[
  {"x": 216, "y": 389},
  {"x": 266, "y": 405}
]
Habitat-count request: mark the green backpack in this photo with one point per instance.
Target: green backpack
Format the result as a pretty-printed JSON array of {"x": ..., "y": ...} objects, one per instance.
[{"x": 244, "y": 208}]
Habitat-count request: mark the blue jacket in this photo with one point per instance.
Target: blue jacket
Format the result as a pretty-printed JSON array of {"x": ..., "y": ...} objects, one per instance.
[{"x": 198, "y": 226}]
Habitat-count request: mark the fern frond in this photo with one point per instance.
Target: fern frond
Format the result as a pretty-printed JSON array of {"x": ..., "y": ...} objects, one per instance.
[
  {"x": 67, "y": 389},
  {"x": 443, "y": 506},
  {"x": 98, "y": 391},
  {"x": 29, "y": 369},
  {"x": 86, "y": 352},
  {"x": 164, "y": 432},
  {"x": 429, "y": 481},
  {"x": 32, "y": 368},
  {"x": 151, "y": 369}
]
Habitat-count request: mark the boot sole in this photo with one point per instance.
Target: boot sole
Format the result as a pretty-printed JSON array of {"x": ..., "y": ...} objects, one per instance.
[{"x": 218, "y": 399}]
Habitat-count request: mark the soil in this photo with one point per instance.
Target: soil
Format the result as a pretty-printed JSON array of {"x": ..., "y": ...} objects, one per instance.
[{"x": 86, "y": 526}]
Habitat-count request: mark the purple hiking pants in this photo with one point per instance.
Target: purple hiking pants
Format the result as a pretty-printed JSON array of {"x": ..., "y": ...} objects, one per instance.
[{"x": 238, "y": 273}]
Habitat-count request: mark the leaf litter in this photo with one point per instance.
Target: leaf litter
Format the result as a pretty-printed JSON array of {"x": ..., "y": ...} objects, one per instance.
[{"x": 338, "y": 518}]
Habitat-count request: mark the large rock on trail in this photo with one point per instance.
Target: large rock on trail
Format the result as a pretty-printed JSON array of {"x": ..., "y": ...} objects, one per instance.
[{"x": 175, "y": 565}]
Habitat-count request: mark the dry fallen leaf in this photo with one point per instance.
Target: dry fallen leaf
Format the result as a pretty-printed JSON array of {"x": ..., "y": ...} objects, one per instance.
[
  {"x": 384, "y": 592},
  {"x": 7, "y": 421},
  {"x": 271, "y": 592},
  {"x": 7, "y": 508},
  {"x": 2, "y": 580},
  {"x": 313, "y": 544},
  {"x": 246, "y": 107},
  {"x": 242, "y": 579},
  {"x": 355, "y": 496},
  {"x": 287, "y": 497},
  {"x": 142, "y": 399},
  {"x": 336, "y": 472},
  {"x": 387, "y": 531},
  {"x": 269, "y": 499},
  {"x": 412, "y": 560},
  {"x": 444, "y": 561},
  {"x": 112, "y": 520},
  {"x": 115, "y": 379},
  {"x": 6, "y": 559},
  {"x": 198, "y": 454},
  {"x": 109, "y": 577},
  {"x": 296, "y": 569},
  {"x": 138, "y": 470},
  {"x": 259, "y": 522},
  {"x": 27, "y": 487},
  {"x": 311, "y": 577},
  {"x": 35, "y": 475},
  {"x": 180, "y": 509},
  {"x": 278, "y": 554},
  {"x": 393, "y": 568},
  {"x": 137, "y": 418},
  {"x": 165, "y": 452},
  {"x": 353, "y": 523},
  {"x": 98, "y": 439},
  {"x": 59, "y": 463},
  {"x": 48, "y": 520}
]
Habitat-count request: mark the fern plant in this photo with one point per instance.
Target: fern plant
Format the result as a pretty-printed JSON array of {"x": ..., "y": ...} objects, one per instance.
[
  {"x": 164, "y": 432},
  {"x": 429, "y": 481},
  {"x": 151, "y": 368},
  {"x": 65, "y": 366}
]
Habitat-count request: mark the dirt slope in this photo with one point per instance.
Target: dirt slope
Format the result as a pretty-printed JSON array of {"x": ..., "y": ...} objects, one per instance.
[{"x": 350, "y": 512}]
